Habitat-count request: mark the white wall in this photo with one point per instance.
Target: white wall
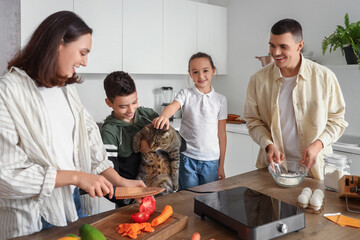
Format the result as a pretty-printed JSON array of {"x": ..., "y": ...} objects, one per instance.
[
  {"x": 249, "y": 24},
  {"x": 9, "y": 32}
]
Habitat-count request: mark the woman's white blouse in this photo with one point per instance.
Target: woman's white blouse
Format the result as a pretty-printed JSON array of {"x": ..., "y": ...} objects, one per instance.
[{"x": 28, "y": 165}]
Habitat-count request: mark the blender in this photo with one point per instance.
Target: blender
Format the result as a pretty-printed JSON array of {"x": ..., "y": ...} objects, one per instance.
[{"x": 167, "y": 97}]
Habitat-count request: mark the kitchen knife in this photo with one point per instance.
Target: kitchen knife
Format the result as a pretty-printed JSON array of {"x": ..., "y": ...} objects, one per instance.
[
  {"x": 132, "y": 192},
  {"x": 83, "y": 192}
]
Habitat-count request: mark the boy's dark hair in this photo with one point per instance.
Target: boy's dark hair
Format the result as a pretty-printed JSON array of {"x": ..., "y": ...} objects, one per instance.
[
  {"x": 288, "y": 26},
  {"x": 201, "y": 55},
  {"x": 39, "y": 58},
  {"x": 118, "y": 83}
]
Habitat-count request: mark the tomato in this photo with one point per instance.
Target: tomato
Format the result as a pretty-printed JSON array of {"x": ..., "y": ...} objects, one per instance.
[
  {"x": 147, "y": 205},
  {"x": 140, "y": 217}
]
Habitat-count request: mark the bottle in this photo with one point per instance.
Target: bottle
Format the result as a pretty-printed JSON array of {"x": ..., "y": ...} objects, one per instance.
[{"x": 335, "y": 166}]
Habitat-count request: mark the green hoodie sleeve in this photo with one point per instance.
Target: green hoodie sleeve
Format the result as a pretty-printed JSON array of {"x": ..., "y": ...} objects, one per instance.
[{"x": 108, "y": 137}]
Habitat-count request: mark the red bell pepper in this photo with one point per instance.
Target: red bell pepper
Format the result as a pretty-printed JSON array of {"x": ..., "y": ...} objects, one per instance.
[
  {"x": 147, "y": 205},
  {"x": 140, "y": 217}
]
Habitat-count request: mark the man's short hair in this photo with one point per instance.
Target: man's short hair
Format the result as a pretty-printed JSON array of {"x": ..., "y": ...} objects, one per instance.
[
  {"x": 288, "y": 25},
  {"x": 118, "y": 83}
]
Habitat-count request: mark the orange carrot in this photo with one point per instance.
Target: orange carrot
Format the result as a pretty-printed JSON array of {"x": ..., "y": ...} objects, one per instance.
[
  {"x": 146, "y": 227},
  {"x": 166, "y": 213},
  {"x": 133, "y": 229},
  {"x": 132, "y": 235},
  {"x": 196, "y": 236}
]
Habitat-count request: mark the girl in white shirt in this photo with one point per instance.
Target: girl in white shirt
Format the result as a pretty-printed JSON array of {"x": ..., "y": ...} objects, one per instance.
[
  {"x": 203, "y": 125},
  {"x": 49, "y": 142}
]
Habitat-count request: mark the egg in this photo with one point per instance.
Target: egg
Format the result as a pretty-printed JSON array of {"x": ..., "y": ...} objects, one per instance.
[
  {"x": 318, "y": 195},
  {"x": 316, "y": 208},
  {"x": 307, "y": 194},
  {"x": 304, "y": 200},
  {"x": 316, "y": 201},
  {"x": 307, "y": 191},
  {"x": 320, "y": 192}
]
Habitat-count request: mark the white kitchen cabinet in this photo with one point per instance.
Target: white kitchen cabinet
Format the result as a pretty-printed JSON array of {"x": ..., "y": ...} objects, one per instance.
[
  {"x": 143, "y": 36},
  {"x": 140, "y": 36},
  {"x": 159, "y": 37},
  {"x": 33, "y": 12},
  {"x": 105, "y": 18},
  {"x": 212, "y": 34},
  {"x": 241, "y": 154},
  {"x": 180, "y": 40}
]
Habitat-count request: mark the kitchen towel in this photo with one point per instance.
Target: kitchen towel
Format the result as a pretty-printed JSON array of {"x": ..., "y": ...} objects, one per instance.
[{"x": 343, "y": 220}]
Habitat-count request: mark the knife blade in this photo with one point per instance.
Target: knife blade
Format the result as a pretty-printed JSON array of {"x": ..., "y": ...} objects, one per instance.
[{"x": 132, "y": 192}]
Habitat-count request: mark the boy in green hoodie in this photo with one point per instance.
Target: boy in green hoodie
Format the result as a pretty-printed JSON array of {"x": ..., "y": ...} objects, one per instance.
[{"x": 124, "y": 122}]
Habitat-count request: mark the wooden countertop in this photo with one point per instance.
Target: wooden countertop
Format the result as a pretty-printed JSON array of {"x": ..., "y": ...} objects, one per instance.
[{"x": 317, "y": 226}]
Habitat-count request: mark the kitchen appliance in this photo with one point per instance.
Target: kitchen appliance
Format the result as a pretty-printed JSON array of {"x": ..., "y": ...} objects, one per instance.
[
  {"x": 253, "y": 215},
  {"x": 167, "y": 98}
]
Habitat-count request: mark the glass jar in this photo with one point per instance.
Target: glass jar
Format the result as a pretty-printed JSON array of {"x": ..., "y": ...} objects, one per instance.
[{"x": 335, "y": 166}]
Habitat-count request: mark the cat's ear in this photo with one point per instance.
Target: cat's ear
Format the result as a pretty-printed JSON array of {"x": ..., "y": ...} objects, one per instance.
[{"x": 167, "y": 133}]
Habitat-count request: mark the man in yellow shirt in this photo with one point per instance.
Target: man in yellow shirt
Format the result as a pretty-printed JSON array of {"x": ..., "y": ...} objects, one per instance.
[{"x": 294, "y": 107}]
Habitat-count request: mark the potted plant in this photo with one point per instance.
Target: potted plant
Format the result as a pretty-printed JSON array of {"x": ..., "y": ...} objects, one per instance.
[{"x": 347, "y": 39}]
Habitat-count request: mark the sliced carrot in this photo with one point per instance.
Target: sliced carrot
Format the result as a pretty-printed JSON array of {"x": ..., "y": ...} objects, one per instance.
[
  {"x": 121, "y": 228},
  {"x": 128, "y": 227},
  {"x": 148, "y": 229},
  {"x": 166, "y": 213},
  {"x": 145, "y": 224},
  {"x": 132, "y": 235},
  {"x": 133, "y": 229}
]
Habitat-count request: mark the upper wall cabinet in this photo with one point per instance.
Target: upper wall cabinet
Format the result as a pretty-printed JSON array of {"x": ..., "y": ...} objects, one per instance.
[
  {"x": 180, "y": 39},
  {"x": 142, "y": 36},
  {"x": 212, "y": 34},
  {"x": 33, "y": 12},
  {"x": 106, "y": 21}
]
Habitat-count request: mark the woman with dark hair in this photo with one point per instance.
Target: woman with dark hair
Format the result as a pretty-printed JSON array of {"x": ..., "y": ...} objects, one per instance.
[{"x": 50, "y": 145}]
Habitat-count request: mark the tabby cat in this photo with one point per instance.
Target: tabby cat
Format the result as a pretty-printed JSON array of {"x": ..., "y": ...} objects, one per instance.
[{"x": 160, "y": 166}]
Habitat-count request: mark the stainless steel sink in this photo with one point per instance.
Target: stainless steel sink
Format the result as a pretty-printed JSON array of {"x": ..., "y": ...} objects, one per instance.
[{"x": 348, "y": 140}]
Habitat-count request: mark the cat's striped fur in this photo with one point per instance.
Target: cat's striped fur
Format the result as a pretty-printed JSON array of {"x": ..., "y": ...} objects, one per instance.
[{"x": 160, "y": 167}]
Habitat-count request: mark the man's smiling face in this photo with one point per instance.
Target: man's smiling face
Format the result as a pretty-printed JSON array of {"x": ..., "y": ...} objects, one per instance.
[{"x": 285, "y": 51}]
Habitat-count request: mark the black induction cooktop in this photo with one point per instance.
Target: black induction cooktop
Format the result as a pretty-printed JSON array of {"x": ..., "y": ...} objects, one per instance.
[{"x": 251, "y": 214}]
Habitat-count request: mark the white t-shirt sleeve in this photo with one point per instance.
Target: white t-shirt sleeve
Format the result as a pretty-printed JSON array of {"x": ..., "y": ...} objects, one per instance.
[
  {"x": 181, "y": 96},
  {"x": 223, "y": 109}
]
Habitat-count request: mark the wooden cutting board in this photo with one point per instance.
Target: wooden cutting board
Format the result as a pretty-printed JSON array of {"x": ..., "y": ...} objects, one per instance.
[{"x": 108, "y": 225}]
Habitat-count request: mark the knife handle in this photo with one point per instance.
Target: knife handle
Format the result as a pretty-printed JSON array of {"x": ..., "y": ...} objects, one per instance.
[{"x": 83, "y": 192}]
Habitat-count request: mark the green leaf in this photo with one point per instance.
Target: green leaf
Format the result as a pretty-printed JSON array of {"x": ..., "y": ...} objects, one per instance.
[
  {"x": 343, "y": 36},
  {"x": 347, "y": 22}
]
